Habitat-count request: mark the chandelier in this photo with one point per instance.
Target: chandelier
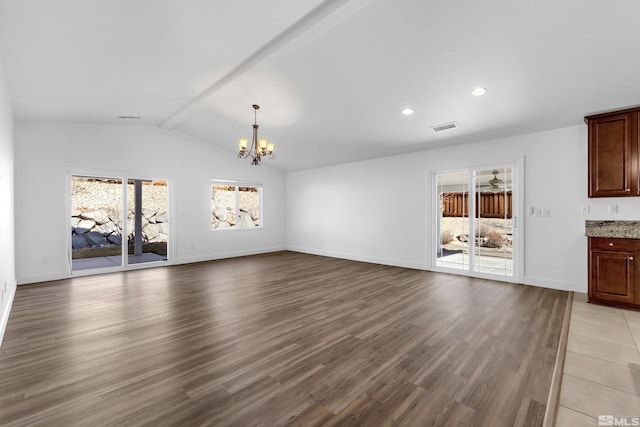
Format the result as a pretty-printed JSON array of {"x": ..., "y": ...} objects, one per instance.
[{"x": 259, "y": 147}]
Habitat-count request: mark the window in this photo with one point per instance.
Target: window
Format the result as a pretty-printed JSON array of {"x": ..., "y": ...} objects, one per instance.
[{"x": 235, "y": 205}]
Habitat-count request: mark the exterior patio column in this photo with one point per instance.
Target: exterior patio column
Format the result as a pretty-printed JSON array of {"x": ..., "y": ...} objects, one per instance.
[{"x": 137, "y": 237}]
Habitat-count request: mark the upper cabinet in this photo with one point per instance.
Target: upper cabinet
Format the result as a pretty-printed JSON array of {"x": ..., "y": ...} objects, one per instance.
[{"x": 614, "y": 157}]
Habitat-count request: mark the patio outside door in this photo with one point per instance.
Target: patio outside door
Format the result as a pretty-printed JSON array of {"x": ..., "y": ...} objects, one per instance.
[{"x": 476, "y": 231}]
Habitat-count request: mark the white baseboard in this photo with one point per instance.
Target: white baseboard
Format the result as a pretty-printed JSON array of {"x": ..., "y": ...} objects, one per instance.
[
  {"x": 5, "y": 316},
  {"x": 25, "y": 280},
  {"x": 528, "y": 280},
  {"x": 225, "y": 255},
  {"x": 561, "y": 285},
  {"x": 355, "y": 257}
]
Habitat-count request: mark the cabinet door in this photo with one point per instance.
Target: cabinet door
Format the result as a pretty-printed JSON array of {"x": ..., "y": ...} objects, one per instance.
[
  {"x": 635, "y": 152},
  {"x": 610, "y": 156},
  {"x": 612, "y": 276}
]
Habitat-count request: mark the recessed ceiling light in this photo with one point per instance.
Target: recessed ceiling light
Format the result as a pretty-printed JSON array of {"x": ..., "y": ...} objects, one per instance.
[
  {"x": 479, "y": 91},
  {"x": 407, "y": 111}
]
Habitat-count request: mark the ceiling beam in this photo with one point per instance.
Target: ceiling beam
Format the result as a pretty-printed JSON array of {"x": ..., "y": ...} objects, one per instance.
[{"x": 316, "y": 15}]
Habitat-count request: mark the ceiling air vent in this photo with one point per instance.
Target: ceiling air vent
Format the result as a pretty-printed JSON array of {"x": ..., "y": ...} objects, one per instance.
[{"x": 445, "y": 126}]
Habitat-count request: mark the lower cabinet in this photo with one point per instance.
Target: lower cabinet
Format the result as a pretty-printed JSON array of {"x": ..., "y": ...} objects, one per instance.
[{"x": 614, "y": 271}]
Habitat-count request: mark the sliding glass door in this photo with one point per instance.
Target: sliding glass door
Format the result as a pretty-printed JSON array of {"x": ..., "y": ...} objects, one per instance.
[
  {"x": 453, "y": 220},
  {"x": 147, "y": 220},
  {"x": 475, "y": 221},
  {"x": 112, "y": 217},
  {"x": 96, "y": 222},
  {"x": 493, "y": 221}
]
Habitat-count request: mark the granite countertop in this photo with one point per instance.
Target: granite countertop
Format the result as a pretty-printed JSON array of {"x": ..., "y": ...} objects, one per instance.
[{"x": 616, "y": 229}]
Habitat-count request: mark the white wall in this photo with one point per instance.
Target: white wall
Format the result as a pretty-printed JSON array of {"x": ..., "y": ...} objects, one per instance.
[
  {"x": 7, "y": 254},
  {"x": 45, "y": 153},
  {"x": 373, "y": 211},
  {"x": 377, "y": 210}
]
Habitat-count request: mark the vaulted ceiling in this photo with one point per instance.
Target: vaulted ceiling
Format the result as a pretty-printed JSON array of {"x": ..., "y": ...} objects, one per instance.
[{"x": 331, "y": 76}]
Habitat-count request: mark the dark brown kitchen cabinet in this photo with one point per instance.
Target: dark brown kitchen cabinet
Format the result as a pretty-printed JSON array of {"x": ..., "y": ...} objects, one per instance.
[
  {"x": 614, "y": 156},
  {"x": 614, "y": 271}
]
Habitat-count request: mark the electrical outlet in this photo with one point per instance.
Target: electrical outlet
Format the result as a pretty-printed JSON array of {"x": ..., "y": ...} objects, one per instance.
[
  {"x": 613, "y": 209},
  {"x": 584, "y": 209}
]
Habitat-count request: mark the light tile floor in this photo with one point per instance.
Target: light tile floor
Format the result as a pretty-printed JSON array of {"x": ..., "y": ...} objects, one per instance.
[{"x": 602, "y": 367}]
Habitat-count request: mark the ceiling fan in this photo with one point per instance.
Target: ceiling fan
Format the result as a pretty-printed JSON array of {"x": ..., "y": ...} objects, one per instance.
[{"x": 495, "y": 183}]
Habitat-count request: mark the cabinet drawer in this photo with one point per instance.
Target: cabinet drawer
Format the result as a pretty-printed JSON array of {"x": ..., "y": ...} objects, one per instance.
[{"x": 605, "y": 243}]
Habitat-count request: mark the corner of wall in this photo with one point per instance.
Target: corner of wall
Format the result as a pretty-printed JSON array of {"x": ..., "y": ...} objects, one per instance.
[
  {"x": 7, "y": 205},
  {"x": 4, "y": 320}
]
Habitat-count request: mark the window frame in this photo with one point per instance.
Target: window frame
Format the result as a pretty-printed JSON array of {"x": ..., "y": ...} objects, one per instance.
[{"x": 237, "y": 184}]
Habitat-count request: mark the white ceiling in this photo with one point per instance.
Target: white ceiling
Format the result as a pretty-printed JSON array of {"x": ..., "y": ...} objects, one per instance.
[{"x": 331, "y": 76}]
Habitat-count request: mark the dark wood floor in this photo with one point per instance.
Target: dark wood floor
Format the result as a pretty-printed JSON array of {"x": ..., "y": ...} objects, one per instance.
[{"x": 279, "y": 339}]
